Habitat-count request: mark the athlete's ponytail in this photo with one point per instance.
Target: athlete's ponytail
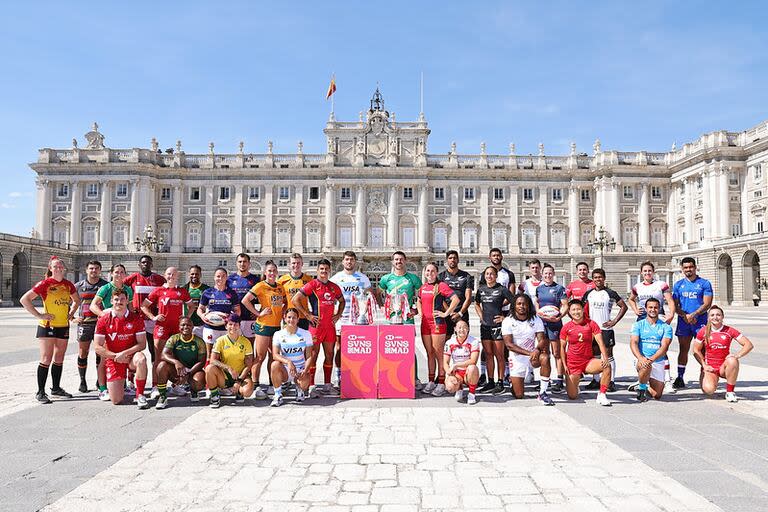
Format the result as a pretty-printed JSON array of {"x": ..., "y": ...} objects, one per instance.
[{"x": 48, "y": 271}]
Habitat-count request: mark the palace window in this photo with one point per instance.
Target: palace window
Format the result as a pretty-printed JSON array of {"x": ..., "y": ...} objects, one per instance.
[
  {"x": 345, "y": 237},
  {"x": 701, "y": 234},
  {"x": 499, "y": 238},
  {"x": 376, "y": 240},
  {"x": 252, "y": 238},
  {"x": 469, "y": 194},
  {"x": 313, "y": 237},
  {"x": 62, "y": 191},
  {"x": 121, "y": 190},
  {"x": 224, "y": 193},
  {"x": 758, "y": 194},
  {"x": 699, "y": 183},
  {"x": 527, "y": 194},
  {"x": 586, "y": 236},
  {"x": 629, "y": 238},
  {"x": 656, "y": 192},
  {"x": 283, "y": 238},
  {"x": 346, "y": 193},
  {"x": 528, "y": 238},
  {"x": 760, "y": 226},
  {"x": 89, "y": 234},
  {"x": 314, "y": 193},
  {"x": 60, "y": 232},
  {"x": 119, "y": 234},
  {"x": 407, "y": 193},
  {"x": 585, "y": 195},
  {"x": 557, "y": 195},
  {"x": 165, "y": 194},
  {"x": 629, "y": 192},
  {"x": 194, "y": 193},
  {"x": 658, "y": 236},
  {"x": 283, "y": 193},
  {"x": 735, "y": 229},
  {"x": 498, "y": 194},
  {"x": 469, "y": 238},
  {"x": 164, "y": 232},
  {"x": 558, "y": 238},
  {"x": 409, "y": 237},
  {"x": 193, "y": 236},
  {"x": 92, "y": 190},
  {"x": 758, "y": 172},
  {"x": 734, "y": 179},
  {"x": 440, "y": 238},
  {"x": 254, "y": 193},
  {"x": 224, "y": 237},
  {"x": 439, "y": 194}
]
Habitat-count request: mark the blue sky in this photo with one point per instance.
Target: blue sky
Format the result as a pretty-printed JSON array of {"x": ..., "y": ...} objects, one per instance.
[{"x": 636, "y": 75}]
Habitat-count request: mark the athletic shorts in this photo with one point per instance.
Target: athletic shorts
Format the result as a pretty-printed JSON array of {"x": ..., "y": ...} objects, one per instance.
[
  {"x": 85, "y": 332},
  {"x": 115, "y": 371},
  {"x": 299, "y": 369},
  {"x": 61, "y": 333},
  {"x": 211, "y": 335},
  {"x": 149, "y": 326},
  {"x": 490, "y": 333},
  {"x": 578, "y": 366},
  {"x": 461, "y": 374},
  {"x": 161, "y": 332},
  {"x": 657, "y": 370},
  {"x": 686, "y": 329},
  {"x": 264, "y": 330},
  {"x": 229, "y": 380},
  {"x": 519, "y": 365},
  {"x": 198, "y": 331},
  {"x": 323, "y": 333},
  {"x": 430, "y": 327},
  {"x": 609, "y": 339},
  {"x": 248, "y": 328},
  {"x": 303, "y": 324},
  {"x": 552, "y": 330}
]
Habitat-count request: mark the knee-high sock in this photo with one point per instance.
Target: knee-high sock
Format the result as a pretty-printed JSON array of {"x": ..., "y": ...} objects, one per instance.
[
  {"x": 56, "y": 375},
  {"x": 82, "y": 367},
  {"x": 42, "y": 376}
]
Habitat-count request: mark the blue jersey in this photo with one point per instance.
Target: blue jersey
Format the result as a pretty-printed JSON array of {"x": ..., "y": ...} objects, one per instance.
[
  {"x": 651, "y": 336},
  {"x": 690, "y": 294},
  {"x": 550, "y": 295},
  {"x": 242, "y": 285},
  {"x": 223, "y": 301},
  {"x": 292, "y": 345}
]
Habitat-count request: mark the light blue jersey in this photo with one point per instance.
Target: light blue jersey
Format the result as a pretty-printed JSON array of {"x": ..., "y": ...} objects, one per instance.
[
  {"x": 350, "y": 284},
  {"x": 651, "y": 336},
  {"x": 292, "y": 345}
]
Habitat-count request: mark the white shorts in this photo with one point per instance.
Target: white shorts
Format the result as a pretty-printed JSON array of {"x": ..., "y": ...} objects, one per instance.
[
  {"x": 211, "y": 335},
  {"x": 198, "y": 331},
  {"x": 519, "y": 365},
  {"x": 149, "y": 325},
  {"x": 299, "y": 369},
  {"x": 657, "y": 369},
  {"x": 246, "y": 327}
]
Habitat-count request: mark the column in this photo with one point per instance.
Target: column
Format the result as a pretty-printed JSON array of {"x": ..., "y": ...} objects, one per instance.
[
  {"x": 105, "y": 222},
  {"x": 208, "y": 228},
  {"x": 75, "y": 214},
  {"x": 746, "y": 221},
  {"x": 237, "y": 236},
  {"x": 672, "y": 239},
  {"x": 330, "y": 217},
  {"x": 714, "y": 203},
  {"x": 725, "y": 202},
  {"x": 484, "y": 223},
  {"x": 392, "y": 217},
  {"x": 644, "y": 236},
  {"x": 453, "y": 237},
  {"x": 573, "y": 219},
  {"x": 360, "y": 222},
  {"x": 135, "y": 227},
  {"x": 707, "y": 206},
  {"x": 178, "y": 221},
  {"x": 298, "y": 219},
  {"x": 613, "y": 213},
  {"x": 689, "y": 227},
  {"x": 598, "y": 213},
  {"x": 150, "y": 198},
  {"x": 266, "y": 245},
  {"x": 514, "y": 222},
  {"x": 44, "y": 209},
  {"x": 543, "y": 220},
  {"x": 423, "y": 217}
]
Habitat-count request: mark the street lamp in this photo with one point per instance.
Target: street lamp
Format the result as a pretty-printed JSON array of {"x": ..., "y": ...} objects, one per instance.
[
  {"x": 150, "y": 242},
  {"x": 602, "y": 242}
]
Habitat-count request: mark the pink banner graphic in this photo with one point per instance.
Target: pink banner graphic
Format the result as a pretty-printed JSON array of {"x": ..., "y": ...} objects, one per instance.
[
  {"x": 397, "y": 362},
  {"x": 359, "y": 357}
]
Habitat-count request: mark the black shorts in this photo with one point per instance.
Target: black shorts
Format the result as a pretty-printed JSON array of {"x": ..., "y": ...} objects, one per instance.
[
  {"x": 85, "y": 332},
  {"x": 303, "y": 324},
  {"x": 61, "y": 333},
  {"x": 490, "y": 333},
  {"x": 609, "y": 339}
]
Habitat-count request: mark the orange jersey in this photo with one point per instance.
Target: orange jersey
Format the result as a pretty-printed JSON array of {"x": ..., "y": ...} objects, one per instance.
[
  {"x": 273, "y": 297},
  {"x": 291, "y": 285}
]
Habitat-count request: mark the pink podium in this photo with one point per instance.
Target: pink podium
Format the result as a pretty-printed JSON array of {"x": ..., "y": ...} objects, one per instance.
[{"x": 378, "y": 361}]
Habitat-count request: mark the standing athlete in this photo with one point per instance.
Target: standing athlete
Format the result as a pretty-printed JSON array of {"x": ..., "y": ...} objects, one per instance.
[
  {"x": 461, "y": 282},
  {"x": 196, "y": 287},
  {"x": 241, "y": 282},
  {"x": 577, "y": 288},
  {"x": 506, "y": 278},
  {"x": 220, "y": 299},
  {"x": 490, "y": 299},
  {"x": 327, "y": 302},
  {"x": 57, "y": 294},
  {"x": 649, "y": 341},
  {"x": 550, "y": 293},
  {"x": 529, "y": 285},
  {"x": 693, "y": 296},
  {"x": 293, "y": 281},
  {"x": 351, "y": 282},
  {"x": 86, "y": 319}
]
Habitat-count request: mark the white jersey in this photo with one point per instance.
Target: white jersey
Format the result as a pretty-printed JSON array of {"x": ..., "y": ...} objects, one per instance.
[
  {"x": 350, "y": 284},
  {"x": 461, "y": 352},
  {"x": 523, "y": 331},
  {"x": 292, "y": 345},
  {"x": 529, "y": 286},
  {"x": 655, "y": 290},
  {"x": 600, "y": 303}
]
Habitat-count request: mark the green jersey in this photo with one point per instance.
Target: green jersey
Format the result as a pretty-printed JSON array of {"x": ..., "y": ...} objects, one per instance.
[
  {"x": 195, "y": 294},
  {"x": 105, "y": 292},
  {"x": 188, "y": 352},
  {"x": 408, "y": 284}
]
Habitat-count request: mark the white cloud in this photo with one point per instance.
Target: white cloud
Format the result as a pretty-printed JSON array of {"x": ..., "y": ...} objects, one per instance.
[
  {"x": 7, "y": 206},
  {"x": 20, "y": 194}
]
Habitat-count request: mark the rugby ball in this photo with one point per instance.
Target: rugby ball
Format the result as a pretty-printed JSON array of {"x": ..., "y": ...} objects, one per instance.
[
  {"x": 549, "y": 310},
  {"x": 216, "y": 318}
]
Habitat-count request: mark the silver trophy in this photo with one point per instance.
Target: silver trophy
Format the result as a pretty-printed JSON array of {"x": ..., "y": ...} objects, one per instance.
[
  {"x": 361, "y": 308},
  {"x": 396, "y": 308}
]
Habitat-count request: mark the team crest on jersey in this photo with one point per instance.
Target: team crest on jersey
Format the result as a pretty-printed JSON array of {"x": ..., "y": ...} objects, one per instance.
[
  {"x": 129, "y": 326},
  {"x": 327, "y": 296}
]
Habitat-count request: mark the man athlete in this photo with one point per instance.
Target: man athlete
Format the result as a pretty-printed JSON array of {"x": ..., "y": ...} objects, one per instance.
[{"x": 86, "y": 319}]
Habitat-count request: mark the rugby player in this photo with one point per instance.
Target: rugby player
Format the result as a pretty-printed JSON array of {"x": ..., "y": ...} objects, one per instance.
[
  {"x": 86, "y": 319},
  {"x": 577, "y": 288},
  {"x": 230, "y": 364},
  {"x": 461, "y": 282},
  {"x": 490, "y": 298},
  {"x": 241, "y": 282},
  {"x": 292, "y": 355},
  {"x": 183, "y": 360},
  {"x": 506, "y": 278},
  {"x": 293, "y": 281},
  {"x": 649, "y": 341},
  {"x": 460, "y": 363},
  {"x": 550, "y": 293},
  {"x": 196, "y": 287},
  {"x": 221, "y": 299}
]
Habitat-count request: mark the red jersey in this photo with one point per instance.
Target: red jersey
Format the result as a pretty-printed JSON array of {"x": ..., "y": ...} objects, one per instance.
[
  {"x": 142, "y": 286},
  {"x": 719, "y": 345},
  {"x": 578, "y": 288},
  {"x": 322, "y": 298},
  {"x": 434, "y": 297},
  {"x": 120, "y": 331},
  {"x": 169, "y": 302},
  {"x": 579, "y": 338}
]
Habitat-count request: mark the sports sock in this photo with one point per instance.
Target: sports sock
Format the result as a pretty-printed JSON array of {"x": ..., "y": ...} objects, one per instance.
[
  {"x": 42, "y": 376},
  {"x": 431, "y": 377},
  {"x": 441, "y": 379},
  {"x": 603, "y": 389},
  {"x": 560, "y": 379},
  {"x": 543, "y": 384},
  {"x": 56, "y": 375},
  {"x": 594, "y": 377},
  {"x": 140, "y": 383},
  {"x": 681, "y": 371},
  {"x": 102, "y": 387},
  {"x": 163, "y": 390},
  {"x": 667, "y": 373},
  {"x": 214, "y": 392},
  {"x": 483, "y": 367},
  {"x": 82, "y": 366},
  {"x": 312, "y": 371},
  {"x": 643, "y": 386},
  {"x": 278, "y": 391},
  {"x": 338, "y": 375},
  {"x": 613, "y": 369},
  {"x": 472, "y": 388},
  {"x": 730, "y": 387},
  {"x": 327, "y": 371}
]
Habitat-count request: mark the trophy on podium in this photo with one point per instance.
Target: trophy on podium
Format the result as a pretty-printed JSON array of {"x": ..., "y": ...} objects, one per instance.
[
  {"x": 362, "y": 308},
  {"x": 397, "y": 308}
]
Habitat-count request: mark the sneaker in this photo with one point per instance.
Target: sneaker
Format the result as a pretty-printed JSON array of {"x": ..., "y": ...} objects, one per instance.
[
  {"x": 498, "y": 389},
  {"x": 459, "y": 395},
  {"x": 229, "y": 392},
  {"x": 277, "y": 401},
  {"x": 271, "y": 390},
  {"x": 635, "y": 386},
  {"x": 483, "y": 381},
  {"x": 471, "y": 400},
  {"x": 439, "y": 390},
  {"x": 239, "y": 398},
  {"x": 162, "y": 402},
  {"x": 299, "y": 395},
  {"x": 730, "y": 396},
  {"x": 314, "y": 392},
  {"x": 429, "y": 388},
  {"x": 215, "y": 402},
  {"x": 259, "y": 394},
  {"x": 178, "y": 391},
  {"x": 142, "y": 402},
  {"x": 679, "y": 383},
  {"x": 612, "y": 387},
  {"x": 592, "y": 386},
  {"x": 329, "y": 390},
  {"x": 529, "y": 378},
  {"x": 130, "y": 387},
  {"x": 60, "y": 392},
  {"x": 669, "y": 387},
  {"x": 489, "y": 386},
  {"x": 155, "y": 393},
  {"x": 556, "y": 386},
  {"x": 603, "y": 400},
  {"x": 104, "y": 396},
  {"x": 418, "y": 385},
  {"x": 83, "y": 387},
  {"x": 545, "y": 399},
  {"x": 642, "y": 395},
  {"x": 42, "y": 397},
  {"x": 194, "y": 396}
]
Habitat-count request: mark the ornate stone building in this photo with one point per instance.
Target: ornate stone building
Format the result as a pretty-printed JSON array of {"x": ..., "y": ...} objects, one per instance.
[{"x": 378, "y": 188}]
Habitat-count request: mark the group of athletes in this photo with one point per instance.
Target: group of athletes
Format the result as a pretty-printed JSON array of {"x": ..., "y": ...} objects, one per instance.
[{"x": 217, "y": 338}]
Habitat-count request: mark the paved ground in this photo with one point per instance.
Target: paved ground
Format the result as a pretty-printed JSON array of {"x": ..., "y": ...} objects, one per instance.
[{"x": 684, "y": 453}]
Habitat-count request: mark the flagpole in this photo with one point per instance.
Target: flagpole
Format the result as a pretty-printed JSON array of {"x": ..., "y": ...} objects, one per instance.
[{"x": 333, "y": 81}]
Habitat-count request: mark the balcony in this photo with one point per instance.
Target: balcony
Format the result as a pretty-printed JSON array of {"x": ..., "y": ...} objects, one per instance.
[
  {"x": 558, "y": 250},
  {"x": 223, "y": 249},
  {"x": 631, "y": 248},
  {"x": 282, "y": 250},
  {"x": 253, "y": 249},
  {"x": 312, "y": 250},
  {"x": 529, "y": 250},
  {"x": 194, "y": 250},
  {"x": 87, "y": 247},
  {"x": 469, "y": 250},
  {"x": 117, "y": 248}
]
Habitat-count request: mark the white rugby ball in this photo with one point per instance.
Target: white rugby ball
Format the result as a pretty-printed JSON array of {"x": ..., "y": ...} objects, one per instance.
[
  {"x": 549, "y": 310},
  {"x": 216, "y": 318}
]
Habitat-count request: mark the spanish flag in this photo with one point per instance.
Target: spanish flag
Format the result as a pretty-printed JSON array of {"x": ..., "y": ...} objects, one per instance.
[{"x": 331, "y": 88}]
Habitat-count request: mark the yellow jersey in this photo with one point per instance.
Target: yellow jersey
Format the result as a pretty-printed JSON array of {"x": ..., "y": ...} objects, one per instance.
[
  {"x": 291, "y": 285},
  {"x": 56, "y": 295},
  {"x": 270, "y": 296},
  {"x": 233, "y": 353}
]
